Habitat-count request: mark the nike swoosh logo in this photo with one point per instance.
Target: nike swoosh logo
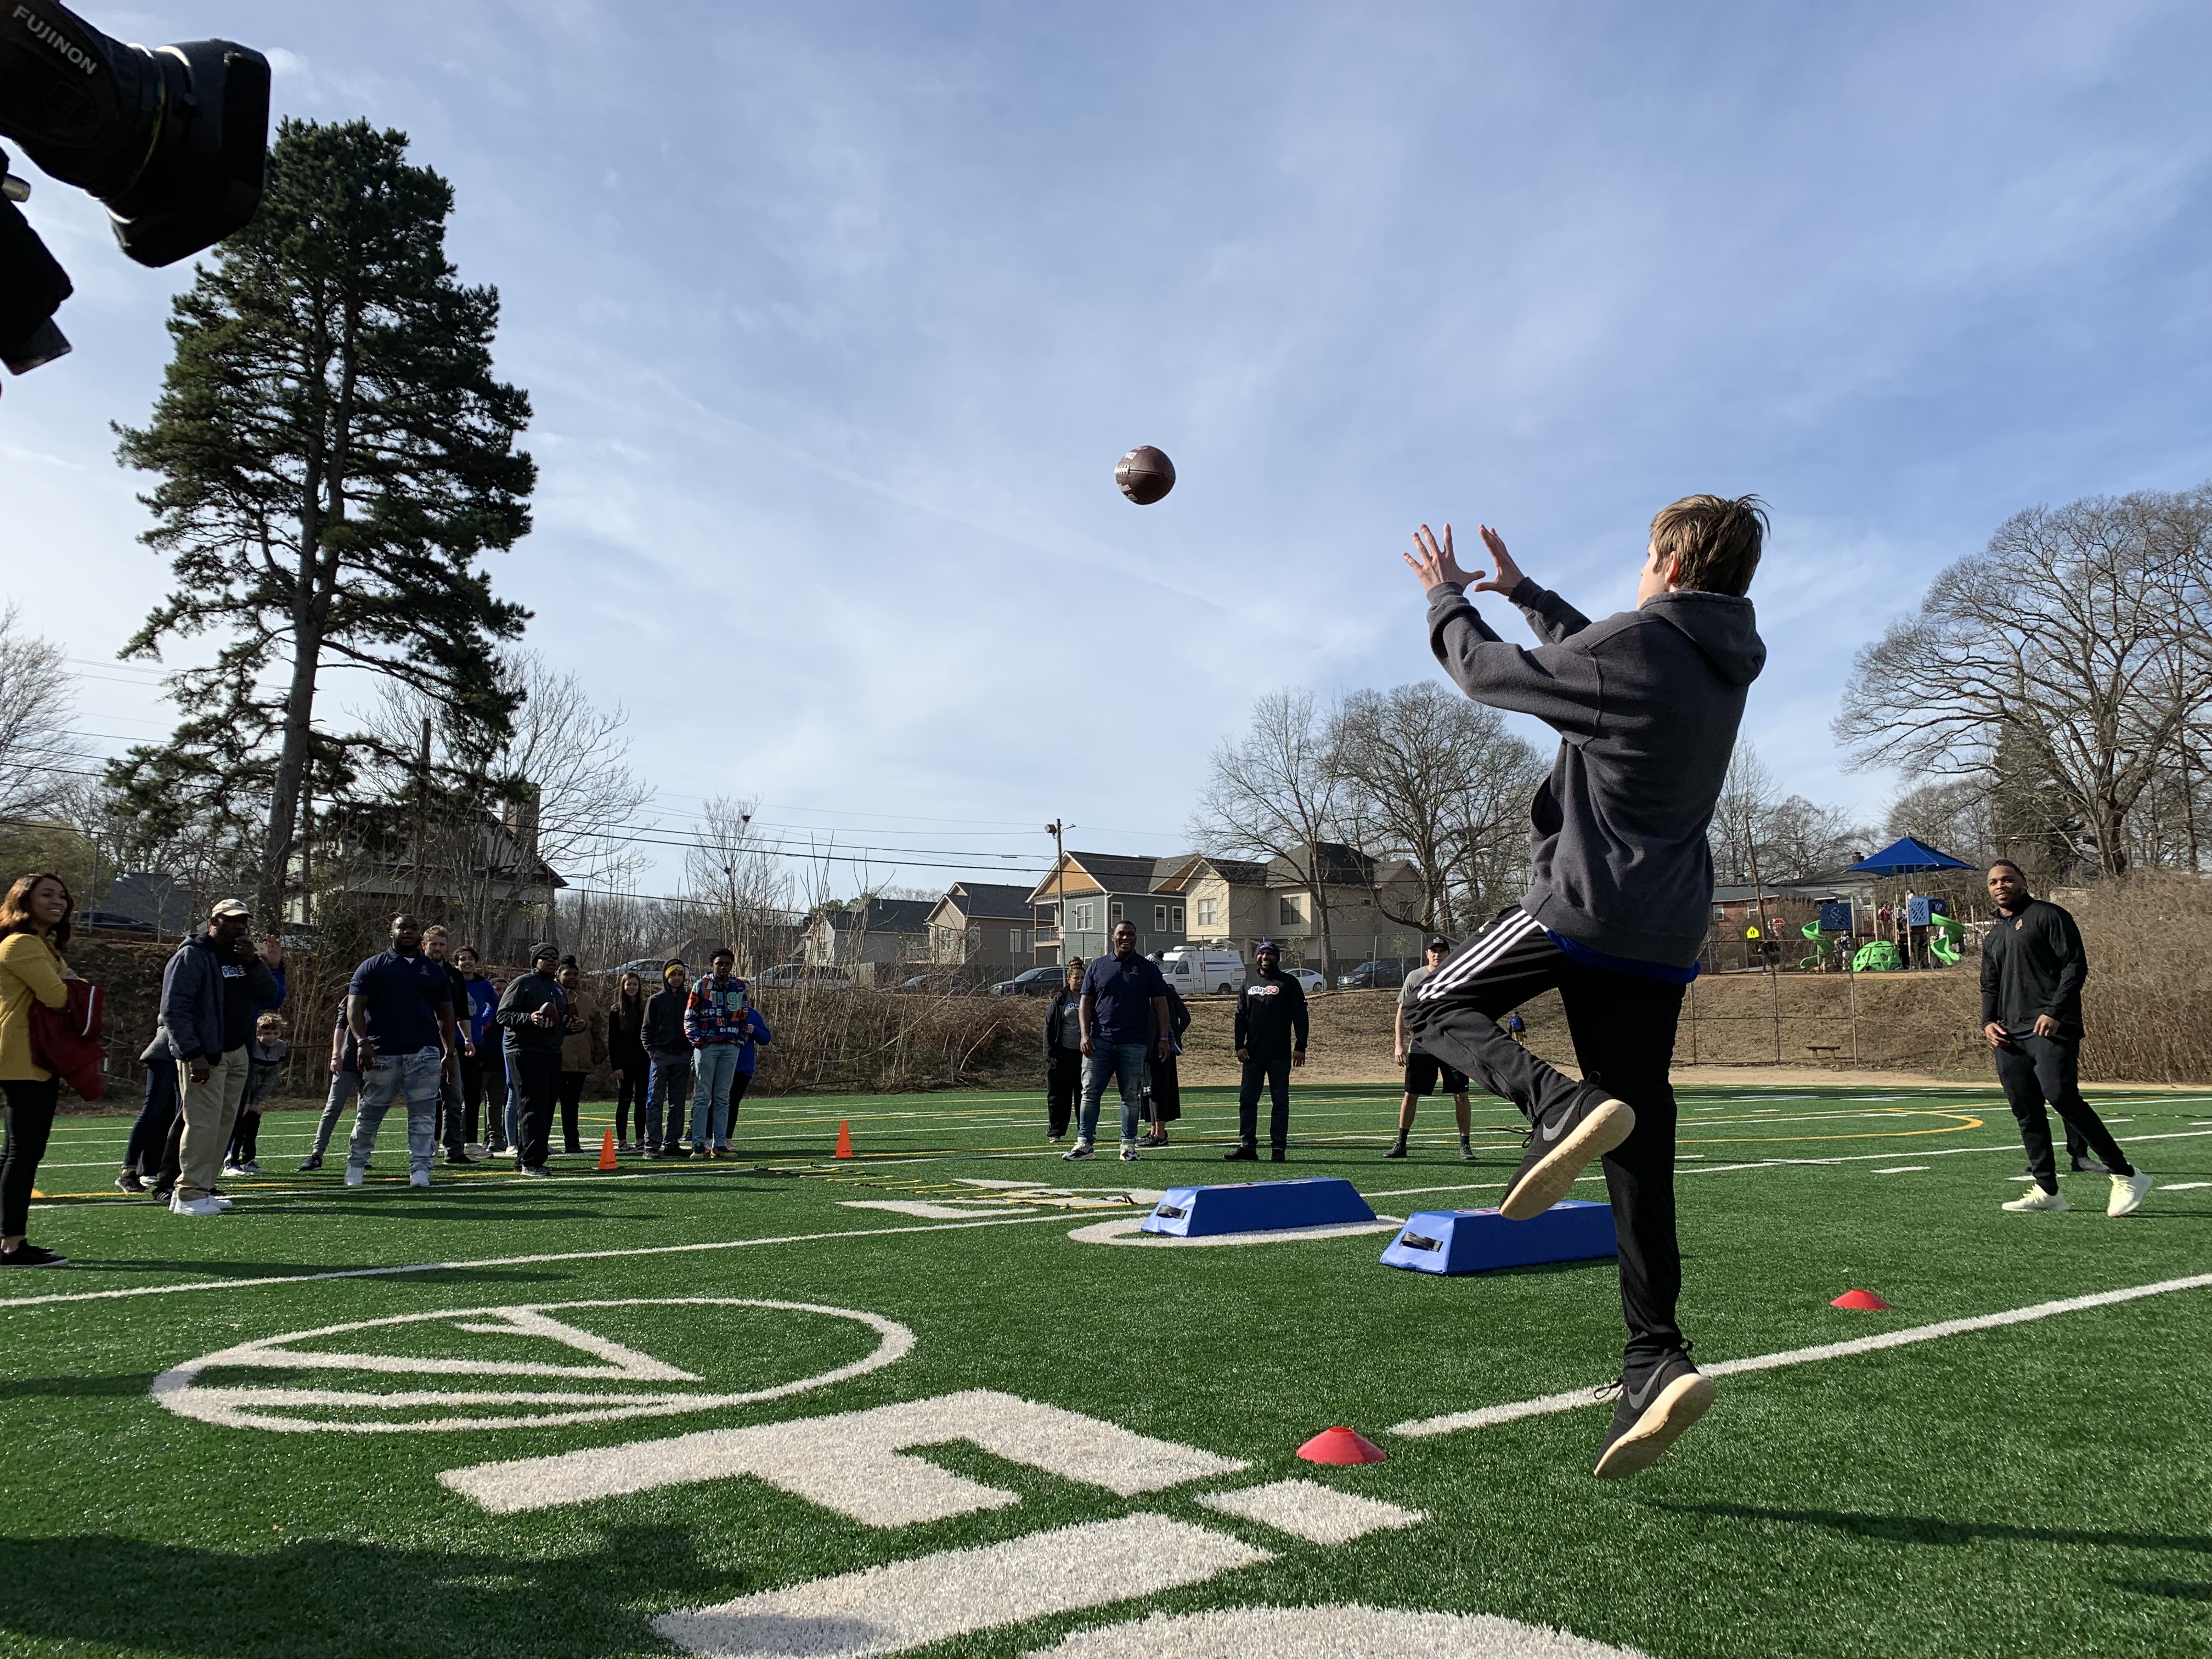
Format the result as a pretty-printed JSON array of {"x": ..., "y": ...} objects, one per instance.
[
  {"x": 1636, "y": 1399},
  {"x": 1553, "y": 1131}
]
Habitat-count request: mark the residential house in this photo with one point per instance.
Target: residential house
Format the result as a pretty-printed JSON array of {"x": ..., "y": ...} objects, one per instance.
[
  {"x": 485, "y": 880},
  {"x": 869, "y": 937},
  {"x": 988, "y": 926},
  {"x": 1238, "y": 902},
  {"x": 1100, "y": 890}
]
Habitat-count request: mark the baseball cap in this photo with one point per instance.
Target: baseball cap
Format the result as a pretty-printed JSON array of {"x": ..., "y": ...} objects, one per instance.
[
  {"x": 1438, "y": 942},
  {"x": 230, "y": 907}
]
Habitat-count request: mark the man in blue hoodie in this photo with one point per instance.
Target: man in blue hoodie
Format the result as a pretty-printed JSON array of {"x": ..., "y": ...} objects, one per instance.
[{"x": 1646, "y": 704}]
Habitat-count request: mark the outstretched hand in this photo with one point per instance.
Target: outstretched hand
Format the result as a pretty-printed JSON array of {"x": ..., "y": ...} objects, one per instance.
[{"x": 1433, "y": 561}]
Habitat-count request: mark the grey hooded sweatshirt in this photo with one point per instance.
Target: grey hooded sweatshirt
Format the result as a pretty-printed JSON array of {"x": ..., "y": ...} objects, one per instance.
[{"x": 1646, "y": 704}]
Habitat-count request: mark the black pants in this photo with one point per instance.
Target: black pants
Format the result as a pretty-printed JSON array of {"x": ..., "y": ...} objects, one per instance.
[
  {"x": 1063, "y": 1089},
  {"x": 2033, "y": 1070},
  {"x": 572, "y": 1097},
  {"x": 452, "y": 1132},
  {"x": 1275, "y": 1071},
  {"x": 30, "y": 1120},
  {"x": 630, "y": 1071},
  {"x": 538, "y": 1077},
  {"x": 245, "y": 1136},
  {"x": 158, "y": 1111},
  {"x": 472, "y": 1069},
  {"x": 1162, "y": 1101},
  {"x": 739, "y": 1082},
  {"x": 1623, "y": 1027}
]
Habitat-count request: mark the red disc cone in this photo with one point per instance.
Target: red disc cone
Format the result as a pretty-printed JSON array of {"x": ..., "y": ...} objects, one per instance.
[
  {"x": 1866, "y": 1299},
  {"x": 844, "y": 1138},
  {"x": 1342, "y": 1445}
]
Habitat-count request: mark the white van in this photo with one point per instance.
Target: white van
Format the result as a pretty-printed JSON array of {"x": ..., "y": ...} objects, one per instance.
[{"x": 1194, "y": 970}]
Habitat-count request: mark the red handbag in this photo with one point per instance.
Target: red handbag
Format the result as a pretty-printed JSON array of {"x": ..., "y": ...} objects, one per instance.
[{"x": 65, "y": 1041}]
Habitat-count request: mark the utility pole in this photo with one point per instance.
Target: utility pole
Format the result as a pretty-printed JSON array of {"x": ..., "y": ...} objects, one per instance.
[
  {"x": 1058, "y": 831},
  {"x": 421, "y": 814}
]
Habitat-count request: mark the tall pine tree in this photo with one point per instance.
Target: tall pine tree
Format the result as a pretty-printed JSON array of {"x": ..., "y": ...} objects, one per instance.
[{"x": 335, "y": 455}]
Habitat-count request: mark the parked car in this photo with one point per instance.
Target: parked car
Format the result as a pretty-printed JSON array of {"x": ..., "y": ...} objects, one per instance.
[
  {"x": 1029, "y": 982},
  {"x": 1197, "y": 970},
  {"x": 799, "y": 976},
  {"x": 114, "y": 920},
  {"x": 1380, "y": 974},
  {"x": 1312, "y": 982}
]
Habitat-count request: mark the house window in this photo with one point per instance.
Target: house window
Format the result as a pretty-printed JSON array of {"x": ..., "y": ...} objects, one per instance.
[
  {"x": 1114, "y": 912},
  {"x": 1174, "y": 922},
  {"x": 1086, "y": 916},
  {"x": 1160, "y": 918},
  {"x": 1290, "y": 911},
  {"x": 1017, "y": 939},
  {"x": 1209, "y": 913}
]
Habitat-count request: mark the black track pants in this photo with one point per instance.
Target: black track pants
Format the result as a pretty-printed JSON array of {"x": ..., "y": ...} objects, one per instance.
[
  {"x": 2034, "y": 1070},
  {"x": 30, "y": 1119},
  {"x": 1274, "y": 1072},
  {"x": 1063, "y": 1090},
  {"x": 1623, "y": 1027},
  {"x": 538, "y": 1073}
]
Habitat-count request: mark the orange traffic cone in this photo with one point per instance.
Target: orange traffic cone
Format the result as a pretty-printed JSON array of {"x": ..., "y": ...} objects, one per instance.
[
  {"x": 844, "y": 1138},
  {"x": 1342, "y": 1445},
  {"x": 607, "y": 1151}
]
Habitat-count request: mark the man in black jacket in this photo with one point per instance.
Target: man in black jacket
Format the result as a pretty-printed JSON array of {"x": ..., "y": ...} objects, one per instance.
[
  {"x": 2032, "y": 966},
  {"x": 1646, "y": 704},
  {"x": 534, "y": 1014},
  {"x": 1271, "y": 1038},
  {"x": 668, "y": 1079}
]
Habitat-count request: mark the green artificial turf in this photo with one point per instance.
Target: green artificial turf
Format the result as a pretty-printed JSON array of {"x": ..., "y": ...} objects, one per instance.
[{"x": 2036, "y": 1489}]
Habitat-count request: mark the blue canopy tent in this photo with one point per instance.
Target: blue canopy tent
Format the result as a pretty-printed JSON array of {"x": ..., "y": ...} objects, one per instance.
[{"x": 1907, "y": 857}]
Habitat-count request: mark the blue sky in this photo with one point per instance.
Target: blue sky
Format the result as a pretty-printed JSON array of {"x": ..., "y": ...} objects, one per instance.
[{"x": 835, "y": 318}]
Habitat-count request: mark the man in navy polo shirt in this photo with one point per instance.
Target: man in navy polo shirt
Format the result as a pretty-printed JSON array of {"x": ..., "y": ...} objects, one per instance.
[
  {"x": 400, "y": 1009},
  {"x": 1124, "y": 1011}
]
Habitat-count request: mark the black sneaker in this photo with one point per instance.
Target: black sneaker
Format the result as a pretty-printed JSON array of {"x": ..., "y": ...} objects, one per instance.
[
  {"x": 1398, "y": 1151},
  {"x": 1561, "y": 1145},
  {"x": 27, "y": 1255},
  {"x": 537, "y": 1171},
  {"x": 1276, "y": 1156},
  {"x": 129, "y": 1181},
  {"x": 1657, "y": 1402},
  {"x": 163, "y": 1194},
  {"x": 459, "y": 1157},
  {"x": 2087, "y": 1165},
  {"x": 313, "y": 1161},
  {"x": 1247, "y": 1154}
]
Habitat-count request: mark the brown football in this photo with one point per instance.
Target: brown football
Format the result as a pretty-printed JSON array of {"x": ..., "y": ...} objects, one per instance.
[{"x": 1145, "y": 475}]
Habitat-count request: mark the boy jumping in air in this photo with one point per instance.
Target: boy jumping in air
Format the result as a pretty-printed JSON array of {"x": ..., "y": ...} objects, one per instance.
[{"x": 1646, "y": 704}]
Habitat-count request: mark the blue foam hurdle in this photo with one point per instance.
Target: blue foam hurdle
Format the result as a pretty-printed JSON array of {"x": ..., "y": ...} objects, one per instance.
[
  {"x": 1256, "y": 1206},
  {"x": 1476, "y": 1241}
]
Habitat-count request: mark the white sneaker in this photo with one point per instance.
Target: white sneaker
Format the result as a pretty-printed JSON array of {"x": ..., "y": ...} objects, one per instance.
[
  {"x": 1081, "y": 1149},
  {"x": 355, "y": 1174},
  {"x": 2127, "y": 1193},
  {"x": 1128, "y": 1151},
  {"x": 230, "y": 1168},
  {"x": 221, "y": 1202},
  {"x": 2036, "y": 1198},
  {"x": 418, "y": 1177},
  {"x": 202, "y": 1206}
]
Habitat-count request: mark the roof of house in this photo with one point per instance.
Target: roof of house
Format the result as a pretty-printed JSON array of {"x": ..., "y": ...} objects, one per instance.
[
  {"x": 996, "y": 899},
  {"x": 1237, "y": 872},
  {"x": 1116, "y": 873},
  {"x": 883, "y": 916}
]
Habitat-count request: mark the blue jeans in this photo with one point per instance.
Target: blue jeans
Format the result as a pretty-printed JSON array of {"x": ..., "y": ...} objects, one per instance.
[
  {"x": 344, "y": 1089},
  {"x": 666, "y": 1090},
  {"x": 717, "y": 1065},
  {"x": 1125, "y": 1063},
  {"x": 416, "y": 1078}
]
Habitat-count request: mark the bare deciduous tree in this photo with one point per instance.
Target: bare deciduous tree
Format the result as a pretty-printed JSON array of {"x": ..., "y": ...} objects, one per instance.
[
  {"x": 2074, "y": 648},
  {"x": 38, "y": 695},
  {"x": 1277, "y": 793},
  {"x": 744, "y": 889}
]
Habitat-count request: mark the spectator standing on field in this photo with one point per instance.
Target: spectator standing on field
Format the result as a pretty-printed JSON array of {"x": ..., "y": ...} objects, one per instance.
[
  {"x": 1271, "y": 1039},
  {"x": 452, "y": 1127},
  {"x": 582, "y": 1049},
  {"x": 264, "y": 1061},
  {"x": 483, "y": 1078},
  {"x": 756, "y": 1035},
  {"x": 1423, "y": 1070},
  {"x": 2033, "y": 966},
  {"x": 345, "y": 1087},
  {"x": 34, "y": 929},
  {"x": 1124, "y": 1011},
  {"x": 1162, "y": 1101},
  {"x": 143, "y": 1154},
  {"x": 534, "y": 1014},
  {"x": 668, "y": 1063},
  {"x": 400, "y": 1007},
  {"x": 1063, "y": 1054},
  {"x": 714, "y": 1023},
  {"x": 209, "y": 992},
  {"x": 626, "y": 1053}
]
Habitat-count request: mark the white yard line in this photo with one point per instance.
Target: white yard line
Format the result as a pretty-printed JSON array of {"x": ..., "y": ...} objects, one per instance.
[
  {"x": 511, "y": 1261},
  {"x": 1545, "y": 1404}
]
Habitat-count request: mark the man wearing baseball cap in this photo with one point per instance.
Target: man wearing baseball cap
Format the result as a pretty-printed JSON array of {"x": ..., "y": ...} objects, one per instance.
[
  {"x": 1271, "y": 1038},
  {"x": 1423, "y": 1070},
  {"x": 534, "y": 1014},
  {"x": 211, "y": 992}
]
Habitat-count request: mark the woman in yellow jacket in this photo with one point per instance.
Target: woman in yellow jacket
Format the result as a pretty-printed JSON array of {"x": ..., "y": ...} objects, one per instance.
[{"x": 34, "y": 926}]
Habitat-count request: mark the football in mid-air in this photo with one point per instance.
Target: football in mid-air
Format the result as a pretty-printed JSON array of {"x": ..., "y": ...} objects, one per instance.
[{"x": 1145, "y": 474}]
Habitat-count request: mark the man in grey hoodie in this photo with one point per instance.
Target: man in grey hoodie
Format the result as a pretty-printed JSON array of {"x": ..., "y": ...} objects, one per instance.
[{"x": 1646, "y": 704}]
